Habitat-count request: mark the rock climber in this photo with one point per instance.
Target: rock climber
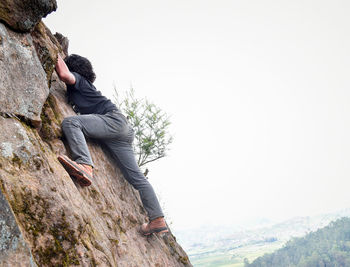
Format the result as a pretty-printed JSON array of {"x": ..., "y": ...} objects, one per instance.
[{"x": 100, "y": 119}]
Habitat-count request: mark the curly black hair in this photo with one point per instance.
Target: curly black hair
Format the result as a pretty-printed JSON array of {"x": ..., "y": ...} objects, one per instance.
[{"x": 81, "y": 65}]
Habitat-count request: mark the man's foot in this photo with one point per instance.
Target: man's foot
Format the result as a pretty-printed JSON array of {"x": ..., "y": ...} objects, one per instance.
[
  {"x": 156, "y": 226},
  {"x": 82, "y": 173}
]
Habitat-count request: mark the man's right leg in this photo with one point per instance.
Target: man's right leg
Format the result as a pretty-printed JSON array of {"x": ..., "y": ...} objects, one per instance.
[
  {"x": 75, "y": 129},
  {"x": 72, "y": 128}
]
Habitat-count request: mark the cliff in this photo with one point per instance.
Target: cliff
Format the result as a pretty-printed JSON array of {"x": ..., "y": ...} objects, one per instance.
[{"x": 45, "y": 218}]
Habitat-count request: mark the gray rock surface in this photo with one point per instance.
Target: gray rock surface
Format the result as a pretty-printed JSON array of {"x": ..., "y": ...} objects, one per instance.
[
  {"x": 14, "y": 251},
  {"x": 23, "y": 85}
]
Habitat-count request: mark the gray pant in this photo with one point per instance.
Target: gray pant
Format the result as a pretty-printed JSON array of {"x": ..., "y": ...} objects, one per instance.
[{"x": 113, "y": 130}]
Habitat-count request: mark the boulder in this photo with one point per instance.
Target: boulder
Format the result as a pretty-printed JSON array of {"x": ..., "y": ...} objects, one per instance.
[
  {"x": 23, "y": 84},
  {"x": 23, "y": 15}
]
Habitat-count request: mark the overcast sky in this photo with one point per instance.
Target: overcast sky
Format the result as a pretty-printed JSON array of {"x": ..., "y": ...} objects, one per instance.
[{"x": 258, "y": 92}]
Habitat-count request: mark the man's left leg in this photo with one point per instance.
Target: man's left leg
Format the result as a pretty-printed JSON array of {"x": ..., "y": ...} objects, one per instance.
[{"x": 123, "y": 152}]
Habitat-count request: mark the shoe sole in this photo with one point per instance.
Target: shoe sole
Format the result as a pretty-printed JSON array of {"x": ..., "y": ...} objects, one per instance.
[
  {"x": 155, "y": 231},
  {"x": 81, "y": 177}
]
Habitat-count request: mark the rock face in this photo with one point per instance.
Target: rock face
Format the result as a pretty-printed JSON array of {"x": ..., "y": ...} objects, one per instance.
[
  {"x": 45, "y": 218},
  {"x": 23, "y": 85},
  {"x": 23, "y": 15},
  {"x": 13, "y": 249}
]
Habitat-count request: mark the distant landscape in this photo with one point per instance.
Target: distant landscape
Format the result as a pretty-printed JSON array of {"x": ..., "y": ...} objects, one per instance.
[
  {"x": 328, "y": 246},
  {"x": 226, "y": 246}
]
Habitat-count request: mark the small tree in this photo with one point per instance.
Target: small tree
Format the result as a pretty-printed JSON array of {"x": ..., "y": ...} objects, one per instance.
[{"x": 151, "y": 126}]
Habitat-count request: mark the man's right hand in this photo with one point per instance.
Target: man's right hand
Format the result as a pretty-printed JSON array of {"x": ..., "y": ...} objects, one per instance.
[{"x": 63, "y": 72}]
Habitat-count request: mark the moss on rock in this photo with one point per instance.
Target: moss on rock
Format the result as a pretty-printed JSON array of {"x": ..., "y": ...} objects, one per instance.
[
  {"x": 60, "y": 247},
  {"x": 46, "y": 49},
  {"x": 51, "y": 120}
]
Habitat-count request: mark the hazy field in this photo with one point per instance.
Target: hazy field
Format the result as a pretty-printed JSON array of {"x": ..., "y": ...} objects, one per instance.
[{"x": 234, "y": 257}]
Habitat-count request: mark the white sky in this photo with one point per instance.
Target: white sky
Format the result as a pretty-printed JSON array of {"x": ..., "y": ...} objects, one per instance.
[{"x": 258, "y": 93}]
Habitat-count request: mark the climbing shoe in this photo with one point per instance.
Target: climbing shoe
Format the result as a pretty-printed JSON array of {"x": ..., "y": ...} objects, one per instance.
[
  {"x": 82, "y": 173},
  {"x": 155, "y": 226}
]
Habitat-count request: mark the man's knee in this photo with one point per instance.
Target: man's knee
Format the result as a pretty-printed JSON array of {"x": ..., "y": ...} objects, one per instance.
[{"x": 70, "y": 122}]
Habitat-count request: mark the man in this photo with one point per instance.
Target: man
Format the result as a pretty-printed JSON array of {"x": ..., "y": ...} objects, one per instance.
[{"x": 100, "y": 119}]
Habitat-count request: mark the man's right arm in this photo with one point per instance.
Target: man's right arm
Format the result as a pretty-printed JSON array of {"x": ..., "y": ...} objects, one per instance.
[{"x": 63, "y": 72}]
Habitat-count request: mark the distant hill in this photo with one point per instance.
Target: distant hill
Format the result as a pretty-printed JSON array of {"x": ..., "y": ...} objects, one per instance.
[
  {"x": 214, "y": 246},
  {"x": 329, "y": 246}
]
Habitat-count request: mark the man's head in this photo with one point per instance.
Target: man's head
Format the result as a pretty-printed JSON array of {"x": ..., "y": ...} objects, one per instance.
[{"x": 81, "y": 65}]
